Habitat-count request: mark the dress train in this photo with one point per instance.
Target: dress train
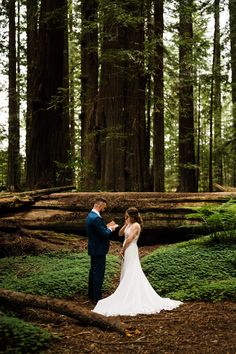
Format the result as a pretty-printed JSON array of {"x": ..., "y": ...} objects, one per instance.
[{"x": 134, "y": 295}]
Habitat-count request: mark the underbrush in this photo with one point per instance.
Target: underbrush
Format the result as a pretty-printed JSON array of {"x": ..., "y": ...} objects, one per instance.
[
  {"x": 18, "y": 336},
  {"x": 60, "y": 275},
  {"x": 220, "y": 221},
  {"x": 194, "y": 270}
]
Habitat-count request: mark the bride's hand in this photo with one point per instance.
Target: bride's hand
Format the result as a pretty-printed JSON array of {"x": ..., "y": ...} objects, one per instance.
[{"x": 122, "y": 253}]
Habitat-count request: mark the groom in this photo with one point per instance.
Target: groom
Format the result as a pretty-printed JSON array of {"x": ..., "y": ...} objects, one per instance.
[{"x": 98, "y": 245}]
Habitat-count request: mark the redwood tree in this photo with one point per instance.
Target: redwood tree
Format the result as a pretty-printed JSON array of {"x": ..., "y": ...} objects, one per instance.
[
  {"x": 218, "y": 173},
  {"x": 121, "y": 99},
  {"x": 13, "y": 121},
  {"x": 158, "y": 124},
  {"x": 187, "y": 168},
  {"x": 90, "y": 151},
  {"x": 232, "y": 13},
  {"x": 49, "y": 141},
  {"x": 32, "y": 44}
]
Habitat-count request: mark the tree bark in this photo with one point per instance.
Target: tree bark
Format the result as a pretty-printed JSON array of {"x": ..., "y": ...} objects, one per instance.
[
  {"x": 49, "y": 144},
  {"x": 158, "y": 124},
  {"x": 137, "y": 168},
  {"x": 90, "y": 153},
  {"x": 13, "y": 121},
  {"x": 111, "y": 102},
  {"x": 32, "y": 57},
  {"x": 232, "y": 18},
  {"x": 187, "y": 167},
  {"x": 121, "y": 100},
  {"x": 165, "y": 215},
  {"x": 218, "y": 160},
  {"x": 67, "y": 308},
  {"x": 37, "y": 192}
]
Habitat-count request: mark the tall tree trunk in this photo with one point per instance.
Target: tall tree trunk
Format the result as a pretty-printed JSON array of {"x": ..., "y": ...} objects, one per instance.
[
  {"x": 218, "y": 174},
  {"x": 32, "y": 57},
  {"x": 158, "y": 124},
  {"x": 13, "y": 123},
  {"x": 89, "y": 89},
  {"x": 137, "y": 167},
  {"x": 49, "y": 144},
  {"x": 199, "y": 131},
  {"x": 187, "y": 167},
  {"x": 210, "y": 175},
  {"x": 72, "y": 64},
  {"x": 232, "y": 13},
  {"x": 111, "y": 101},
  {"x": 149, "y": 92},
  {"x": 121, "y": 101}
]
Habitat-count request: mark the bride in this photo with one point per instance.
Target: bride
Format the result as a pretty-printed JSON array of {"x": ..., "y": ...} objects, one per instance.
[{"x": 134, "y": 294}]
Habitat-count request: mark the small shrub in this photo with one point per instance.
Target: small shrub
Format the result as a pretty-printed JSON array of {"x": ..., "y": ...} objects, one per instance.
[
  {"x": 220, "y": 221},
  {"x": 193, "y": 270},
  {"x": 18, "y": 336}
]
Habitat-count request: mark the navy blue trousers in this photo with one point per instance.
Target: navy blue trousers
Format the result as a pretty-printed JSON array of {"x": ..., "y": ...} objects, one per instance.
[{"x": 96, "y": 277}]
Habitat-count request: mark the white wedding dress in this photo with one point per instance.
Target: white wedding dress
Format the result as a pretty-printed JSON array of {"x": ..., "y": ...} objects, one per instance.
[{"x": 134, "y": 294}]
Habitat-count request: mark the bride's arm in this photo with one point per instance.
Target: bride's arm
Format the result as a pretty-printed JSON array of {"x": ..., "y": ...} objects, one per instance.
[
  {"x": 134, "y": 232},
  {"x": 122, "y": 230}
]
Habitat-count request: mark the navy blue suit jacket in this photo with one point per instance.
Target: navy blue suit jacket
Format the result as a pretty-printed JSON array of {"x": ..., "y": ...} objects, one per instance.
[{"x": 98, "y": 235}]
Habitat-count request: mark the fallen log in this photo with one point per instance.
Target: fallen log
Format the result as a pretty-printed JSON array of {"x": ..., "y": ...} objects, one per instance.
[
  {"x": 165, "y": 215},
  {"x": 120, "y": 201},
  {"x": 34, "y": 242},
  {"x": 224, "y": 188},
  {"x": 67, "y": 308},
  {"x": 15, "y": 203},
  {"x": 37, "y": 192}
]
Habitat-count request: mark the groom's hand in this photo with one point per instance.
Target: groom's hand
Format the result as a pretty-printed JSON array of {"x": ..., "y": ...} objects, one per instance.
[{"x": 112, "y": 225}]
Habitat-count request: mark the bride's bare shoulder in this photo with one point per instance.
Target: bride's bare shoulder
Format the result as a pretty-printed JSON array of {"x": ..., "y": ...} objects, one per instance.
[{"x": 136, "y": 225}]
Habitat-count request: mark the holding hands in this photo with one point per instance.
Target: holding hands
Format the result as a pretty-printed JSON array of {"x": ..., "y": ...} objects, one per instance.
[{"x": 112, "y": 225}]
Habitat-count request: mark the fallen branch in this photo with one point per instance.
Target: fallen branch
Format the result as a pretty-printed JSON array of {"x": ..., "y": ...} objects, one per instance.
[
  {"x": 63, "y": 307},
  {"x": 224, "y": 188},
  {"x": 37, "y": 192},
  {"x": 15, "y": 203}
]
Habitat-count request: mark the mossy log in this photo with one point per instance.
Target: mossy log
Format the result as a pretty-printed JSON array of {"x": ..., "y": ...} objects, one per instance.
[
  {"x": 37, "y": 192},
  {"x": 67, "y": 308},
  {"x": 165, "y": 215},
  {"x": 15, "y": 203},
  {"x": 24, "y": 200}
]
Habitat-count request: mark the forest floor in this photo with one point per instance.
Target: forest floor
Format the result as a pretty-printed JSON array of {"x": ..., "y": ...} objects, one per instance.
[{"x": 194, "y": 327}]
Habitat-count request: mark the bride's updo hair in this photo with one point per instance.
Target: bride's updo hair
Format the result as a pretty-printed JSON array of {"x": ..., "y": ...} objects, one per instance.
[{"x": 134, "y": 213}]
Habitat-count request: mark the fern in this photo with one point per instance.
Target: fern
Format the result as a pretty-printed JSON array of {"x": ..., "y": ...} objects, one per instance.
[{"x": 220, "y": 220}]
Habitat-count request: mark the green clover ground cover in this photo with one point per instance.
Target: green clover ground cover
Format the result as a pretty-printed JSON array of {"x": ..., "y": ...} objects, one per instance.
[
  {"x": 193, "y": 270},
  {"x": 18, "y": 336},
  {"x": 59, "y": 275},
  {"x": 56, "y": 274}
]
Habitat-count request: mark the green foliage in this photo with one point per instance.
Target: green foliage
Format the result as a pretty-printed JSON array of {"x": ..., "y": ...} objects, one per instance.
[
  {"x": 55, "y": 274},
  {"x": 18, "y": 336},
  {"x": 3, "y": 165},
  {"x": 193, "y": 270},
  {"x": 220, "y": 220}
]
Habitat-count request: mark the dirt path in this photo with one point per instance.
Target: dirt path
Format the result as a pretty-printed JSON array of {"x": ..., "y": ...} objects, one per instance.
[{"x": 192, "y": 328}]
